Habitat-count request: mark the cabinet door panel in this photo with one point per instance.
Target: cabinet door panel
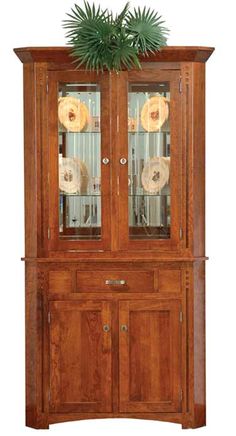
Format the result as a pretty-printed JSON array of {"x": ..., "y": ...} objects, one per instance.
[
  {"x": 149, "y": 341},
  {"x": 150, "y": 176},
  {"x": 80, "y": 357},
  {"x": 79, "y": 161}
]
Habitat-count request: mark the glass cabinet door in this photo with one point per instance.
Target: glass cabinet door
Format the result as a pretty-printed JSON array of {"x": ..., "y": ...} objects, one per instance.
[
  {"x": 151, "y": 178},
  {"x": 82, "y": 156},
  {"x": 79, "y": 150}
]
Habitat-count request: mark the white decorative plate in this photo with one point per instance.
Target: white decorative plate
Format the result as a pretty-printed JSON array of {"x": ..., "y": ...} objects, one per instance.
[
  {"x": 155, "y": 174},
  {"x": 155, "y": 112},
  {"x": 72, "y": 113},
  {"x": 73, "y": 175}
]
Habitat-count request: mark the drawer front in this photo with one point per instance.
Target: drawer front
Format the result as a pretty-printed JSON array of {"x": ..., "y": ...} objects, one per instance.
[
  {"x": 128, "y": 281},
  {"x": 163, "y": 281}
]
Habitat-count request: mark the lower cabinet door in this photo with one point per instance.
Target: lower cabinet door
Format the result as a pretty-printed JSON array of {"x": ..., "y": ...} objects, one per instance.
[
  {"x": 149, "y": 356},
  {"x": 80, "y": 356}
]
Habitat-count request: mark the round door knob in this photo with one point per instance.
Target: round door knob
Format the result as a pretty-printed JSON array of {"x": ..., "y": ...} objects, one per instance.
[
  {"x": 105, "y": 160},
  {"x": 106, "y": 328},
  {"x": 124, "y": 328},
  {"x": 123, "y": 160}
]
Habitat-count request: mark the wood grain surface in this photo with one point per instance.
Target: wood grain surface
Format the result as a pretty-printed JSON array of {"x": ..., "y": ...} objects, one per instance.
[{"x": 95, "y": 350}]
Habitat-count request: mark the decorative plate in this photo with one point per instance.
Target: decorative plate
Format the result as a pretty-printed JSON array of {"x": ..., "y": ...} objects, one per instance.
[
  {"x": 155, "y": 174},
  {"x": 72, "y": 113},
  {"x": 132, "y": 124},
  {"x": 155, "y": 112},
  {"x": 73, "y": 175}
]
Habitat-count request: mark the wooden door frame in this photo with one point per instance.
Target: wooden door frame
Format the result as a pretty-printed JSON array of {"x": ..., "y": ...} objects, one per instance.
[
  {"x": 55, "y": 406},
  {"x": 174, "y": 306},
  {"x": 152, "y": 75},
  {"x": 55, "y": 243}
]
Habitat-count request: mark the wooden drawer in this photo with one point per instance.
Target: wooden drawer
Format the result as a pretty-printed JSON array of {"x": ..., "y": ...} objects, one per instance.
[
  {"x": 129, "y": 281},
  {"x": 154, "y": 280}
]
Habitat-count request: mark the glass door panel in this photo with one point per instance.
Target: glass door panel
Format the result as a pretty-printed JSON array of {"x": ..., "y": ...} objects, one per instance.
[
  {"x": 79, "y": 152},
  {"x": 79, "y": 161},
  {"x": 149, "y": 154}
]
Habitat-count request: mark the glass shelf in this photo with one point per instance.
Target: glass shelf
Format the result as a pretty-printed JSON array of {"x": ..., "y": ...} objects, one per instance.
[
  {"x": 149, "y": 236},
  {"x": 149, "y": 195},
  {"x": 81, "y": 237},
  {"x": 160, "y": 227},
  {"x": 144, "y": 132},
  {"x": 64, "y": 194},
  {"x": 79, "y": 133}
]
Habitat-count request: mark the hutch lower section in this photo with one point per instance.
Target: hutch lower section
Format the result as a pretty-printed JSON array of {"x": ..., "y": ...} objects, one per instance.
[{"x": 115, "y": 339}]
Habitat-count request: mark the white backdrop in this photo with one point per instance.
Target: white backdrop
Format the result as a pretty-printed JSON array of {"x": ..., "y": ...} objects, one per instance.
[{"x": 201, "y": 22}]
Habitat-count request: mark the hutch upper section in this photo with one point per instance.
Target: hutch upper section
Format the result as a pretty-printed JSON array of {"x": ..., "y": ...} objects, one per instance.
[{"x": 114, "y": 163}]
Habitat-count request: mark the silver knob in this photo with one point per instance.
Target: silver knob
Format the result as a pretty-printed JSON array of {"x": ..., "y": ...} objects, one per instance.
[
  {"x": 124, "y": 328},
  {"x": 106, "y": 328},
  {"x": 105, "y": 160},
  {"x": 123, "y": 160}
]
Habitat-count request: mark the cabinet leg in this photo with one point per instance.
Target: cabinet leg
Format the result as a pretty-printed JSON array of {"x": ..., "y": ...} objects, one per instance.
[
  {"x": 36, "y": 421},
  {"x": 198, "y": 419}
]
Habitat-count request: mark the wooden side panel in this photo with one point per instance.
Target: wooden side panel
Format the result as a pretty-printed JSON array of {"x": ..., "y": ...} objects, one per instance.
[
  {"x": 150, "y": 356},
  {"x": 194, "y": 156},
  {"x": 196, "y": 389},
  {"x": 199, "y": 345},
  {"x": 30, "y": 162},
  {"x": 35, "y": 146},
  {"x": 35, "y": 416},
  {"x": 80, "y": 357},
  {"x": 199, "y": 159}
]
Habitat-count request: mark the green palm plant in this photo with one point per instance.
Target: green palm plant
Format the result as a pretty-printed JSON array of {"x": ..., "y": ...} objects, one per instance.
[
  {"x": 146, "y": 30},
  {"x": 101, "y": 41}
]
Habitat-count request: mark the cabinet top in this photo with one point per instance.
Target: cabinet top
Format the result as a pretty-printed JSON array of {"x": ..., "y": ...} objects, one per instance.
[{"x": 166, "y": 54}]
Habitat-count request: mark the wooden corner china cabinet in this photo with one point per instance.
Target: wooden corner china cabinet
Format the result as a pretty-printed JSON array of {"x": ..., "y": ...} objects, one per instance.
[{"x": 114, "y": 246}]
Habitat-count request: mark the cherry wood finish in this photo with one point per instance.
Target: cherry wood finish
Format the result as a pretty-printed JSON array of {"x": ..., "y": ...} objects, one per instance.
[
  {"x": 74, "y": 368},
  {"x": 80, "y": 356},
  {"x": 54, "y": 78},
  {"x": 149, "y": 76},
  {"x": 127, "y": 281},
  {"x": 166, "y": 54},
  {"x": 149, "y": 356}
]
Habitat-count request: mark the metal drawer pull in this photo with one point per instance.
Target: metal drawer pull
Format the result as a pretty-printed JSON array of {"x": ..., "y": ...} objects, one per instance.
[
  {"x": 106, "y": 328},
  {"x": 124, "y": 328},
  {"x": 123, "y": 160},
  {"x": 105, "y": 160},
  {"x": 115, "y": 282}
]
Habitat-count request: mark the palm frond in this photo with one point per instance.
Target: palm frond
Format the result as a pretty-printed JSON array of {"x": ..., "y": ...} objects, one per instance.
[
  {"x": 99, "y": 41},
  {"x": 124, "y": 55},
  {"x": 118, "y": 21},
  {"x": 146, "y": 30}
]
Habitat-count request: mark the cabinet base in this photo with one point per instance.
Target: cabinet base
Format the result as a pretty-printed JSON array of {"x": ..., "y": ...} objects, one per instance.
[
  {"x": 43, "y": 422},
  {"x": 186, "y": 420}
]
